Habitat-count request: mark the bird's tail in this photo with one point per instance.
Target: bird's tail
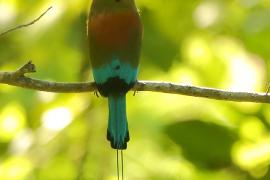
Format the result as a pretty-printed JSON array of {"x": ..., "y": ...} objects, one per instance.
[{"x": 117, "y": 132}]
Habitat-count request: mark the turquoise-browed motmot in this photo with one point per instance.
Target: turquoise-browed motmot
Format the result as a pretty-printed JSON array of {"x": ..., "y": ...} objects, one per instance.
[{"x": 115, "y": 34}]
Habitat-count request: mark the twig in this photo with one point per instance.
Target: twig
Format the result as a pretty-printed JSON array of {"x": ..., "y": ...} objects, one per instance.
[
  {"x": 19, "y": 79},
  {"x": 25, "y": 25}
]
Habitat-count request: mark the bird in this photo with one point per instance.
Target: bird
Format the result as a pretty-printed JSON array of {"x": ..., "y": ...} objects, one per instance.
[{"x": 115, "y": 37}]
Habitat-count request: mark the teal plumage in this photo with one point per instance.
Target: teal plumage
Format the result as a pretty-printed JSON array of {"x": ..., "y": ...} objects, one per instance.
[{"x": 115, "y": 33}]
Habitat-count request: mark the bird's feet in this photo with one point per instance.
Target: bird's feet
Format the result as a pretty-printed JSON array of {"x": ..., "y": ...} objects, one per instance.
[
  {"x": 268, "y": 90},
  {"x": 96, "y": 93},
  {"x": 135, "y": 92}
]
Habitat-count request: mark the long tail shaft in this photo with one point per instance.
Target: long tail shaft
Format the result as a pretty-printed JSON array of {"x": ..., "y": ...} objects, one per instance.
[{"x": 117, "y": 132}]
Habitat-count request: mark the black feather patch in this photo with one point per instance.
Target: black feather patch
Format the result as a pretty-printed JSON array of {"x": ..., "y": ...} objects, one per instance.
[
  {"x": 115, "y": 146},
  {"x": 114, "y": 86}
]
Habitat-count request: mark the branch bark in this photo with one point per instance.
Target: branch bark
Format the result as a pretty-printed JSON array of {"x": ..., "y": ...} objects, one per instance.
[{"x": 18, "y": 78}]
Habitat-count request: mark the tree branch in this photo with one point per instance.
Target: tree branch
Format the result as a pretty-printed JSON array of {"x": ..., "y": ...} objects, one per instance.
[
  {"x": 25, "y": 25},
  {"x": 18, "y": 78}
]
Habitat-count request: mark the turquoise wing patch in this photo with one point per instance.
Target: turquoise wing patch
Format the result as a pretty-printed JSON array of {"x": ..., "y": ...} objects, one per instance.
[{"x": 115, "y": 69}]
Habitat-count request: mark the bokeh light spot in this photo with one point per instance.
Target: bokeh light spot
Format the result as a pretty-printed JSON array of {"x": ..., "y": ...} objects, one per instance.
[
  {"x": 12, "y": 120},
  {"x": 251, "y": 155},
  {"x": 7, "y": 12},
  {"x": 206, "y": 14},
  {"x": 57, "y": 119},
  {"x": 15, "y": 168}
]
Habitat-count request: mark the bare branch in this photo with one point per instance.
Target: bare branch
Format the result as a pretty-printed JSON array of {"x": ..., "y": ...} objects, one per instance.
[
  {"x": 25, "y": 25},
  {"x": 19, "y": 79},
  {"x": 205, "y": 92}
]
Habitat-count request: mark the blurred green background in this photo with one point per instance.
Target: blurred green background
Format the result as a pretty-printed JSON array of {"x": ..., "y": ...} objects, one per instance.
[{"x": 214, "y": 43}]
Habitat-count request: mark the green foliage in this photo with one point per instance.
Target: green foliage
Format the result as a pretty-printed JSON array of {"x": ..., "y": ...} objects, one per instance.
[
  {"x": 201, "y": 143},
  {"x": 215, "y": 43}
]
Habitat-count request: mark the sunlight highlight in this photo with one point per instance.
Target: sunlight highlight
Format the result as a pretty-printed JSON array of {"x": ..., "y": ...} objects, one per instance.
[
  {"x": 22, "y": 142},
  {"x": 246, "y": 70},
  {"x": 206, "y": 14},
  {"x": 15, "y": 168},
  {"x": 48, "y": 19},
  {"x": 249, "y": 156},
  {"x": 12, "y": 120},
  {"x": 57, "y": 119},
  {"x": 46, "y": 97},
  {"x": 7, "y": 12},
  {"x": 198, "y": 51},
  {"x": 54, "y": 13},
  {"x": 244, "y": 73}
]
